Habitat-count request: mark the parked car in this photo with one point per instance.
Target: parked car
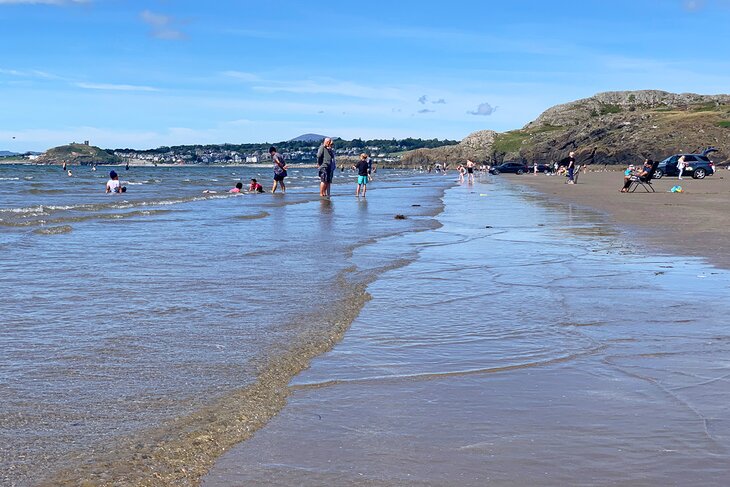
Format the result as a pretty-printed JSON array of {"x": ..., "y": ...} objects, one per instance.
[
  {"x": 698, "y": 166},
  {"x": 511, "y": 167}
]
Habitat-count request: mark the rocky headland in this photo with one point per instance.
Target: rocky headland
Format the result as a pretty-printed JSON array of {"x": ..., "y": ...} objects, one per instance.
[
  {"x": 609, "y": 128},
  {"x": 81, "y": 154}
]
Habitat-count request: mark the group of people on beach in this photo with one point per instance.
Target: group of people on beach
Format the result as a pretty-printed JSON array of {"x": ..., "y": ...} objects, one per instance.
[{"x": 326, "y": 166}]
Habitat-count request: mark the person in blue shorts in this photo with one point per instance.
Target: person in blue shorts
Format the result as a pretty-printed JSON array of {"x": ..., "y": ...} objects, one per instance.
[{"x": 362, "y": 175}]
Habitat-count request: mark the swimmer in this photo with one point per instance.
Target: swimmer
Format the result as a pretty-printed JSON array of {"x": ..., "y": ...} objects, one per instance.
[
  {"x": 237, "y": 189},
  {"x": 69, "y": 173},
  {"x": 255, "y": 187},
  {"x": 113, "y": 185}
]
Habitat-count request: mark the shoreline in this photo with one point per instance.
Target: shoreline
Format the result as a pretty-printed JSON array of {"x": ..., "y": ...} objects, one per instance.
[
  {"x": 693, "y": 223},
  {"x": 511, "y": 393}
]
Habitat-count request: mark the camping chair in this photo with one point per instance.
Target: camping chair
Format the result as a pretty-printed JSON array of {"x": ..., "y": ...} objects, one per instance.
[{"x": 644, "y": 181}]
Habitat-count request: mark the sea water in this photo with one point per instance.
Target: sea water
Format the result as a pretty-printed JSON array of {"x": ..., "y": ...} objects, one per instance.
[
  {"x": 131, "y": 320},
  {"x": 529, "y": 343}
]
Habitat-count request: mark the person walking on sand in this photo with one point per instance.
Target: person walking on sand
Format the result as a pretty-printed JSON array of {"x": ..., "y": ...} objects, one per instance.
[
  {"x": 570, "y": 163},
  {"x": 326, "y": 164},
  {"x": 681, "y": 164},
  {"x": 362, "y": 175},
  {"x": 279, "y": 169}
]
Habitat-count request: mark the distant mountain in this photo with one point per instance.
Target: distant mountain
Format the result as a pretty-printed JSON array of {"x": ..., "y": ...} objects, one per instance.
[
  {"x": 7, "y": 153},
  {"x": 308, "y": 138}
]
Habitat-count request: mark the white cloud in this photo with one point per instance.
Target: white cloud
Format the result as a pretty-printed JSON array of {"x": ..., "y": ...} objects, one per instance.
[
  {"x": 484, "y": 109},
  {"x": 422, "y": 99},
  {"x": 114, "y": 87},
  {"x": 163, "y": 26}
]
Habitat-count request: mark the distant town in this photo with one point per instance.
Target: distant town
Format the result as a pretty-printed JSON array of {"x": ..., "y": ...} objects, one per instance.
[{"x": 303, "y": 149}]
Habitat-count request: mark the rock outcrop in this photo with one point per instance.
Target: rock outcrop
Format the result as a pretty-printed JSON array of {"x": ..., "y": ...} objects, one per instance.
[
  {"x": 476, "y": 146},
  {"x": 82, "y": 154},
  {"x": 609, "y": 128}
]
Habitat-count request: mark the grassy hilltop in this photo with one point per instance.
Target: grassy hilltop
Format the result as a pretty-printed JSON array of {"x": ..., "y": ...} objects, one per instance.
[
  {"x": 78, "y": 154},
  {"x": 608, "y": 128}
]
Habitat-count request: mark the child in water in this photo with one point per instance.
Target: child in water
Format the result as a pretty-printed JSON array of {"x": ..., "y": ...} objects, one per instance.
[
  {"x": 113, "y": 185},
  {"x": 255, "y": 187},
  {"x": 362, "y": 175},
  {"x": 237, "y": 189}
]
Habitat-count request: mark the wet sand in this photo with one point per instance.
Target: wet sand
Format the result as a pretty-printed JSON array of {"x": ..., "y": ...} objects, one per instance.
[
  {"x": 527, "y": 345},
  {"x": 696, "y": 222}
]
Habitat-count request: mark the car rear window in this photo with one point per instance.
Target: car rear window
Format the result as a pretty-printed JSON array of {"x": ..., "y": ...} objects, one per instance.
[{"x": 703, "y": 158}]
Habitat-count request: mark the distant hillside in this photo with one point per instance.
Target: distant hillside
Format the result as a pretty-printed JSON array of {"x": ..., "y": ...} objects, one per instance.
[
  {"x": 308, "y": 138},
  {"x": 78, "y": 154},
  {"x": 4, "y": 153},
  {"x": 608, "y": 128}
]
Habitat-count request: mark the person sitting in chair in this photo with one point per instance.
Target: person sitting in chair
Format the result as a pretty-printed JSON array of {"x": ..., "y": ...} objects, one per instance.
[{"x": 645, "y": 173}]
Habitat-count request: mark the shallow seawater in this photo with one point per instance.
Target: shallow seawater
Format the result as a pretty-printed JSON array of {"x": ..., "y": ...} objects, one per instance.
[
  {"x": 134, "y": 325},
  {"x": 529, "y": 343}
]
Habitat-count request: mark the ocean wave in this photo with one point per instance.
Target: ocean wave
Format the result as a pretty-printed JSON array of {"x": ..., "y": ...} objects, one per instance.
[
  {"x": 255, "y": 216},
  {"x": 53, "y": 230},
  {"x": 116, "y": 205},
  {"x": 82, "y": 218}
]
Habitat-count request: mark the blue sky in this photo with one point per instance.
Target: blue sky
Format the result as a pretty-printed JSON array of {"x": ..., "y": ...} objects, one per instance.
[{"x": 146, "y": 73}]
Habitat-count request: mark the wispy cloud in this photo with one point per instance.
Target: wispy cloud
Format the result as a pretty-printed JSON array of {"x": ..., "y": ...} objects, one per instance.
[
  {"x": 440, "y": 101},
  {"x": 693, "y": 5},
  {"x": 33, "y": 73},
  {"x": 484, "y": 109},
  {"x": 328, "y": 86},
  {"x": 114, "y": 87},
  {"x": 422, "y": 99},
  {"x": 426, "y": 110},
  {"x": 242, "y": 76},
  {"x": 43, "y": 2},
  {"x": 163, "y": 26}
]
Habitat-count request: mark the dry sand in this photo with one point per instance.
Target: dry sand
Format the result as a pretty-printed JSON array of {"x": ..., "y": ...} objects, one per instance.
[{"x": 695, "y": 223}]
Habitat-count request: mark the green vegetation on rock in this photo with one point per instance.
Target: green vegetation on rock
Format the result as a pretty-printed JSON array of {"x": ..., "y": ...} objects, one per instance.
[
  {"x": 511, "y": 141},
  {"x": 78, "y": 154}
]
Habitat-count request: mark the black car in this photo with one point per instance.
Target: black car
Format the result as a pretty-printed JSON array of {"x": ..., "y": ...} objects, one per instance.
[
  {"x": 511, "y": 167},
  {"x": 698, "y": 166}
]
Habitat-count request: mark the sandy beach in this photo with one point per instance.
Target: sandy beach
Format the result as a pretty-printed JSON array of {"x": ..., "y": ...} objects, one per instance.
[{"x": 695, "y": 222}]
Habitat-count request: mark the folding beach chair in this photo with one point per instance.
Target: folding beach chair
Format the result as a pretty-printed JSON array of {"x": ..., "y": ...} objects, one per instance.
[{"x": 644, "y": 181}]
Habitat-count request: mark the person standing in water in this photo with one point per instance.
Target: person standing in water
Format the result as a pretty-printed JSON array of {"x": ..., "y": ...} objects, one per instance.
[
  {"x": 470, "y": 170},
  {"x": 326, "y": 164},
  {"x": 279, "y": 169},
  {"x": 362, "y": 175}
]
